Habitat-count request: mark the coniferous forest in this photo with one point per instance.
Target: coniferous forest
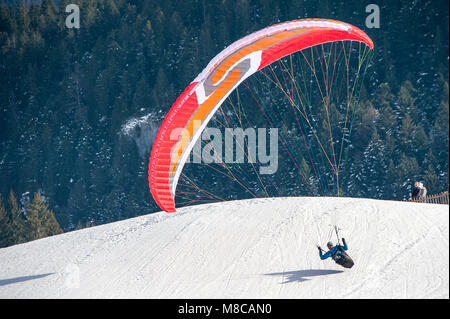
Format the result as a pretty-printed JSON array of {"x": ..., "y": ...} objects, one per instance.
[{"x": 79, "y": 108}]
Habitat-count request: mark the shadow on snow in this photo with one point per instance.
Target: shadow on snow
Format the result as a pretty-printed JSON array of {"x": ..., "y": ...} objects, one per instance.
[
  {"x": 4, "y": 282},
  {"x": 299, "y": 275}
]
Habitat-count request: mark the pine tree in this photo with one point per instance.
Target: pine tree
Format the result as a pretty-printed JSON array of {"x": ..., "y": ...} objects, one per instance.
[
  {"x": 355, "y": 179},
  {"x": 366, "y": 118},
  {"x": 41, "y": 221},
  {"x": 405, "y": 135},
  {"x": 440, "y": 137},
  {"x": 34, "y": 218},
  {"x": 23, "y": 18},
  {"x": 141, "y": 98},
  {"x": 387, "y": 123},
  {"x": 162, "y": 90},
  {"x": 374, "y": 167},
  {"x": 6, "y": 232},
  {"x": 393, "y": 187},
  {"x": 406, "y": 102},
  {"x": 431, "y": 181},
  {"x": 18, "y": 224},
  {"x": 408, "y": 171}
]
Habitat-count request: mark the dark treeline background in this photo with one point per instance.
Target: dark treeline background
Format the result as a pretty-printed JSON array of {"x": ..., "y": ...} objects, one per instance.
[
  {"x": 79, "y": 108},
  {"x": 30, "y": 222}
]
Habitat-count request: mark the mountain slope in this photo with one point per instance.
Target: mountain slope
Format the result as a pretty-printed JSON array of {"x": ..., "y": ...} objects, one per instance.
[{"x": 262, "y": 248}]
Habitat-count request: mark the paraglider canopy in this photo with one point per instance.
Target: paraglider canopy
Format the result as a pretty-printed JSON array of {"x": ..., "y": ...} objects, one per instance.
[{"x": 193, "y": 109}]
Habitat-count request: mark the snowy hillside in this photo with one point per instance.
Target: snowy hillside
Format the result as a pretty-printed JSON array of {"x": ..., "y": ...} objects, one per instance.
[{"x": 262, "y": 248}]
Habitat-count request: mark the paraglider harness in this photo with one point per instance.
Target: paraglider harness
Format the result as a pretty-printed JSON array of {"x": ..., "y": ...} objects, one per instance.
[{"x": 341, "y": 258}]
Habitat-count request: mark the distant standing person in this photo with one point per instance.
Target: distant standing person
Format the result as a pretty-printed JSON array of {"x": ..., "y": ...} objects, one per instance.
[
  {"x": 419, "y": 191},
  {"x": 423, "y": 191},
  {"x": 416, "y": 191}
]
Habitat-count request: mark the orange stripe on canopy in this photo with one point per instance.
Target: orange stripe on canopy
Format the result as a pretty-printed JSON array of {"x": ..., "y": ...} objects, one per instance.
[
  {"x": 201, "y": 114},
  {"x": 257, "y": 46}
]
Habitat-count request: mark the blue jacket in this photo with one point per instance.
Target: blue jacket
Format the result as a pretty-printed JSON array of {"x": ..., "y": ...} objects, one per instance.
[{"x": 333, "y": 252}]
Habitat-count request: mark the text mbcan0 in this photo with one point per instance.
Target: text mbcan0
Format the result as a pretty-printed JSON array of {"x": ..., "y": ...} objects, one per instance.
[{"x": 246, "y": 308}]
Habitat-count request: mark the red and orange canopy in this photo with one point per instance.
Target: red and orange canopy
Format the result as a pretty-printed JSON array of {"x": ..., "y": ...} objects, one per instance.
[{"x": 194, "y": 108}]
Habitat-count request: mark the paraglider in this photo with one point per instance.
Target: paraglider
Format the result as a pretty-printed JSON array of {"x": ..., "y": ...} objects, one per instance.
[
  {"x": 194, "y": 108},
  {"x": 337, "y": 253}
]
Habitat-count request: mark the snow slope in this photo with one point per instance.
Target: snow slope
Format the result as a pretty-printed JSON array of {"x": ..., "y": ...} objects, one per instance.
[{"x": 263, "y": 248}]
